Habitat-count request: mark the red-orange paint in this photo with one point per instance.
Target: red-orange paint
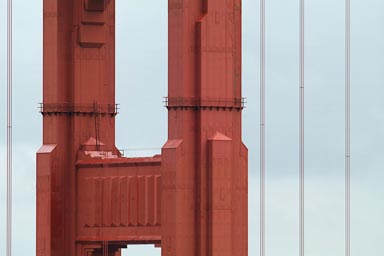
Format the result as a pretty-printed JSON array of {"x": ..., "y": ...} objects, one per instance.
[{"x": 192, "y": 199}]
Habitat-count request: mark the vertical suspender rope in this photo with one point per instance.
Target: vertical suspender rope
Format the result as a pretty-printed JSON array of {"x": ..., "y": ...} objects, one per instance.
[
  {"x": 262, "y": 127},
  {"x": 9, "y": 130},
  {"x": 301, "y": 139},
  {"x": 347, "y": 126}
]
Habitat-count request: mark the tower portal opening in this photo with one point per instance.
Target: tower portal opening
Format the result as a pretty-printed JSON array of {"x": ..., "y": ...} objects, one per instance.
[
  {"x": 141, "y": 75},
  {"x": 140, "y": 250}
]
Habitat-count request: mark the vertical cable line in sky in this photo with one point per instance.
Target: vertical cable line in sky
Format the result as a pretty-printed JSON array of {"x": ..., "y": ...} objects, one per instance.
[
  {"x": 347, "y": 127},
  {"x": 301, "y": 136},
  {"x": 9, "y": 130},
  {"x": 262, "y": 127}
]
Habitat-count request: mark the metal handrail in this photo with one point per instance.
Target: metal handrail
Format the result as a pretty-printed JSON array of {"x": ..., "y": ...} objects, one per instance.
[
  {"x": 204, "y": 102},
  {"x": 73, "y": 108}
]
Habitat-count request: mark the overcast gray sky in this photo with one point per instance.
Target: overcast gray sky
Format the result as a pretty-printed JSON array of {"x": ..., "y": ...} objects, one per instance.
[{"x": 141, "y": 82}]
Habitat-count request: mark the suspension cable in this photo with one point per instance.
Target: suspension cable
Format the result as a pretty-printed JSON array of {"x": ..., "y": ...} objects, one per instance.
[
  {"x": 9, "y": 130},
  {"x": 347, "y": 127},
  {"x": 301, "y": 139},
  {"x": 262, "y": 127}
]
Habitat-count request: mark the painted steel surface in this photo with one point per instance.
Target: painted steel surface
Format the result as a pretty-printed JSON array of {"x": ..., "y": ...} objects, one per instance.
[{"x": 191, "y": 199}]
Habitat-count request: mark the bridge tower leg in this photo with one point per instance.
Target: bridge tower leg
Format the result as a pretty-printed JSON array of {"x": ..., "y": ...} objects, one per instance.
[
  {"x": 78, "y": 103},
  {"x": 204, "y": 161}
]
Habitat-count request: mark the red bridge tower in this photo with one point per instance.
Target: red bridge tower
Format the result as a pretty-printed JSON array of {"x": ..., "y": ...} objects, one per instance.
[{"x": 192, "y": 199}]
